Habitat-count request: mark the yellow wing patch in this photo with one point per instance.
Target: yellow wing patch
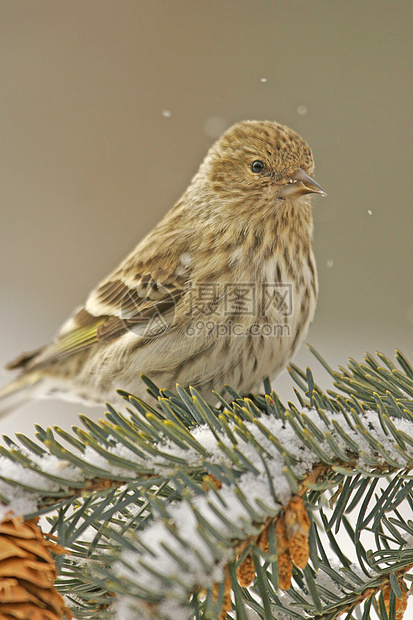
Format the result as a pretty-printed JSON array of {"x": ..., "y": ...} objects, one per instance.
[{"x": 77, "y": 340}]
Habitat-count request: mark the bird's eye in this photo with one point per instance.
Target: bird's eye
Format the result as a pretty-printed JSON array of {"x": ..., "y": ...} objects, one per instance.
[{"x": 257, "y": 166}]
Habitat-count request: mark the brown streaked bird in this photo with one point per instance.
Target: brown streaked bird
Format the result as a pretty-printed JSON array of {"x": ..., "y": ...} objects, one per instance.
[{"x": 221, "y": 291}]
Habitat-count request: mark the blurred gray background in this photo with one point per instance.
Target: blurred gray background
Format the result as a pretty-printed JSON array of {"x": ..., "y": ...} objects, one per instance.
[{"x": 107, "y": 109}]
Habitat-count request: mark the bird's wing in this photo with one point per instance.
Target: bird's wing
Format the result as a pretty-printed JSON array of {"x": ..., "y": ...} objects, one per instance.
[{"x": 141, "y": 301}]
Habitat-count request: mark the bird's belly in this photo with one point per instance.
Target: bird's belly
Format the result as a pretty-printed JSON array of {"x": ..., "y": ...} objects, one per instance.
[
  {"x": 240, "y": 352},
  {"x": 266, "y": 351}
]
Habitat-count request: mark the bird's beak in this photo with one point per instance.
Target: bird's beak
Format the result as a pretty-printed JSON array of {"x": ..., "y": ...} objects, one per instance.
[{"x": 300, "y": 183}]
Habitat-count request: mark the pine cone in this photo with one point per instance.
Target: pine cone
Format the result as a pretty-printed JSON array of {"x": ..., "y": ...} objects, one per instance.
[{"x": 27, "y": 573}]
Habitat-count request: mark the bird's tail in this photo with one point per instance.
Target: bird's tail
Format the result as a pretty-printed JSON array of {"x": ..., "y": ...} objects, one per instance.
[{"x": 18, "y": 392}]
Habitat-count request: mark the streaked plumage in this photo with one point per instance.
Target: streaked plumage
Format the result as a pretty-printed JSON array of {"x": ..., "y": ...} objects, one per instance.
[{"x": 236, "y": 224}]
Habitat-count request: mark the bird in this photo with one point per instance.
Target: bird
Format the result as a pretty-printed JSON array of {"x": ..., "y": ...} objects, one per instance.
[{"x": 221, "y": 292}]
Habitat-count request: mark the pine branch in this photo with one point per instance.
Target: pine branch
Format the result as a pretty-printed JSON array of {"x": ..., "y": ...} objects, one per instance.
[{"x": 173, "y": 510}]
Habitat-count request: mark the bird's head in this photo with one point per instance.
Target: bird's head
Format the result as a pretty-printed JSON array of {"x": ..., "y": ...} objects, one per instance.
[{"x": 260, "y": 161}]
